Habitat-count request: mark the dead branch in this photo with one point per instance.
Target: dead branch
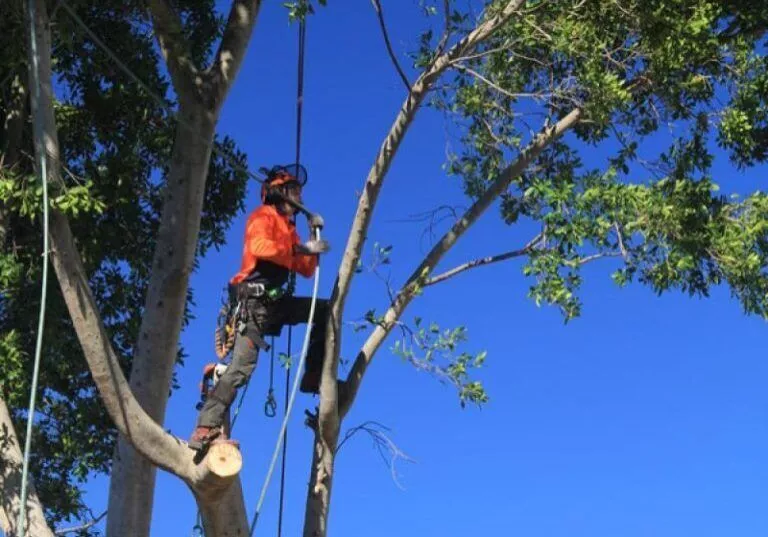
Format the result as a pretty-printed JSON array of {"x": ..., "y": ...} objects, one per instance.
[{"x": 389, "y": 452}]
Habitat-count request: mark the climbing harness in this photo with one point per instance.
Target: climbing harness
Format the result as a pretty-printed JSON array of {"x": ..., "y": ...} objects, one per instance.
[{"x": 224, "y": 334}]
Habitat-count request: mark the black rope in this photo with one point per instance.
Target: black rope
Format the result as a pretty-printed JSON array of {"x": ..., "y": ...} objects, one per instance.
[
  {"x": 299, "y": 109},
  {"x": 285, "y": 441},
  {"x": 300, "y": 89}
]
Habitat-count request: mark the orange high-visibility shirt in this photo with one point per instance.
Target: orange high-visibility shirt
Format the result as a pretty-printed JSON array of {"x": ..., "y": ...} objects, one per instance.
[{"x": 271, "y": 236}]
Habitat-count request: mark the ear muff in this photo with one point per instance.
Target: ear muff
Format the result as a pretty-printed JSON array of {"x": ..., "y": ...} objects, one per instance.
[{"x": 281, "y": 175}]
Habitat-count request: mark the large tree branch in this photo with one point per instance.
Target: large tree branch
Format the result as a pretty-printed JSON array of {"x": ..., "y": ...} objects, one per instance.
[
  {"x": 374, "y": 182},
  {"x": 328, "y": 422},
  {"x": 229, "y": 58},
  {"x": 130, "y": 419},
  {"x": 11, "y": 460},
  {"x": 174, "y": 47},
  {"x": 214, "y": 475},
  {"x": 416, "y": 281}
]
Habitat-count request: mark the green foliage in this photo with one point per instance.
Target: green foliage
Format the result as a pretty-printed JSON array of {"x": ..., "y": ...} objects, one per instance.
[
  {"x": 695, "y": 66},
  {"x": 435, "y": 351},
  {"x": 299, "y": 10}
]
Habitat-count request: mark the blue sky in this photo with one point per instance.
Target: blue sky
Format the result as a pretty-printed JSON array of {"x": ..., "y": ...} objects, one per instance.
[{"x": 647, "y": 416}]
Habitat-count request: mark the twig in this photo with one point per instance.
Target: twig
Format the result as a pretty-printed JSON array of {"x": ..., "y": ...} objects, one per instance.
[
  {"x": 393, "y": 57},
  {"x": 81, "y": 527},
  {"x": 387, "y": 449},
  {"x": 498, "y": 88},
  {"x": 595, "y": 257}
]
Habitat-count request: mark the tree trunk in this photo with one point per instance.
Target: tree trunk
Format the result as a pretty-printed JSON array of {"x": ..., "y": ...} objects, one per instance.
[
  {"x": 132, "y": 484},
  {"x": 11, "y": 459},
  {"x": 214, "y": 480},
  {"x": 320, "y": 483},
  {"x": 225, "y": 516}
]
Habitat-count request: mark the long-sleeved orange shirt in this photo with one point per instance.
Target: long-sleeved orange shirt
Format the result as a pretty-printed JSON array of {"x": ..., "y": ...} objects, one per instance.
[{"x": 271, "y": 236}]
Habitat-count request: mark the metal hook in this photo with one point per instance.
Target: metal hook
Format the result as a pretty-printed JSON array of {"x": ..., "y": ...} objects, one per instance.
[{"x": 270, "y": 406}]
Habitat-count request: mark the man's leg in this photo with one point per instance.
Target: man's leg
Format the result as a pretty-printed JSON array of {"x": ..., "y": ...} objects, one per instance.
[
  {"x": 295, "y": 310},
  {"x": 244, "y": 358}
]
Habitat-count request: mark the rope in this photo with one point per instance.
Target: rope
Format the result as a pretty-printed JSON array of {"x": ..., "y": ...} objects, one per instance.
[
  {"x": 40, "y": 143},
  {"x": 294, "y": 389},
  {"x": 285, "y": 441},
  {"x": 282, "y": 437}
]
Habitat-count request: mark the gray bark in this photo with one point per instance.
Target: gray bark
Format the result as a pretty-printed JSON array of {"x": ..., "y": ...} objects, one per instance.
[
  {"x": 11, "y": 459},
  {"x": 132, "y": 482},
  {"x": 201, "y": 96},
  {"x": 129, "y": 416},
  {"x": 329, "y": 417}
]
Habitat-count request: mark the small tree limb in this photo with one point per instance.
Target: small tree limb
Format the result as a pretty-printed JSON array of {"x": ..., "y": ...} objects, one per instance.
[
  {"x": 81, "y": 527},
  {"x": 484, "y": 261},
  {"x": 388, "y": 44}
]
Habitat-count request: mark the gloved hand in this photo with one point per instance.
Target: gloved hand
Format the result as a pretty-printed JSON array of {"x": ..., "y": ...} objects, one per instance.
[
  {"x": 316, "y": 221},
  {"x": 312, "y": 247}
]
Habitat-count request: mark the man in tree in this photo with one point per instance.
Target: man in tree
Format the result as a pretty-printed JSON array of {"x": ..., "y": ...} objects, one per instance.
[{"x": 263, "y": 295}]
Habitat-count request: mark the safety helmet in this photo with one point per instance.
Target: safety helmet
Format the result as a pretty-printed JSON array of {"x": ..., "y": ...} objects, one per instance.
[{"x": 281, "y": 176}]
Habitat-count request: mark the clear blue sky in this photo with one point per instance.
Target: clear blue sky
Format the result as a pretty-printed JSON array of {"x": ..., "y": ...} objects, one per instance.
[{"x": 645, "y": 417}]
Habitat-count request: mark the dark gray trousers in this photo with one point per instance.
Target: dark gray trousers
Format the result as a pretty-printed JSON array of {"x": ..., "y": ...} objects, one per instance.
[{"x": 264, "y": 318}]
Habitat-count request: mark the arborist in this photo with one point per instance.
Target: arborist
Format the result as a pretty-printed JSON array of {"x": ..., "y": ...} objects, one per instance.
[{"x": 262, "y": 298}]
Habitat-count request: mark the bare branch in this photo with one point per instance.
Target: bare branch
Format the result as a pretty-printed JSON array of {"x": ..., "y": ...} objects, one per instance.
[
  {"x": 595, "y": 257},
  {"x": 498, "y": 88},
  {"x": 416, "y": 280},
  {"x": 485, "y": 261},
  {"x": 390, "y": 51},
  {"x": 385, "y": 446},
  {"x": 620, "y": 238},
  {"x": 81, "y": 527},
  {"x": 370, "y": 192},
  {"x": 229, "y": 57}
]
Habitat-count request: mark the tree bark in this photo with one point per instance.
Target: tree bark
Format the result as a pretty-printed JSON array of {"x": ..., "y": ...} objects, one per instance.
[
  {"x": 11, "y": 459},
  {"x": 329, "y": 419},
  {"x": 320, "y": 483},
  {"x": 201, "y": 96},
  {"x": 132, "y": 482},
  {"x": 210, "y": 480}
]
